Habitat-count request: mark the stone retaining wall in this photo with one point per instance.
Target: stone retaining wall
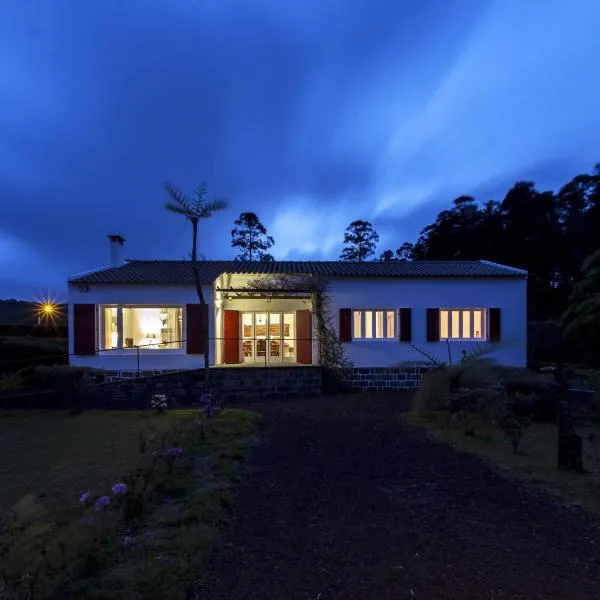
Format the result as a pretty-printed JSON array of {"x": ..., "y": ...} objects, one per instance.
[
  {"x": 383, "y": 379},
  {"x": 184, "y": 388}
]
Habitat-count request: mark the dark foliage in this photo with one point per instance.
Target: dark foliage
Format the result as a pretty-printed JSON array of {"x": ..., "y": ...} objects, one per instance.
[
  {"x": 360, "y": 241},
  {"x": 548, "y": 234},
  {"x": 250, "y": 237}
]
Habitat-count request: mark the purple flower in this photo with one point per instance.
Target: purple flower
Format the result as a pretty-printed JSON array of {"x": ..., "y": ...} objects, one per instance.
[
  {"x": 85, "y": 498},
  {"x": 206, "y": 399},
  {"x": 127, "y": 540},
  {"x": 101, "y": 503},
  {"x": 173, "y": 452},
  {"x": 148, "y": 533},
  {"x": 119, "y": 489}
]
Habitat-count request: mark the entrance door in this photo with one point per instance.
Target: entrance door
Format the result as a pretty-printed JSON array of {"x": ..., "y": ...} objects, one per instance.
[{"x": 268, "y": 337}]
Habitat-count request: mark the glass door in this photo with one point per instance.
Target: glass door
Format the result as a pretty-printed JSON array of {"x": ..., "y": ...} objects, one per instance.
[
  {"x": 248, "y": 337},
  {"x": 268, "y": 337},
  {"x": 261, "y": 335},
  {"x": 275, "y": 337},
  {"x": 289, "y": 337}
]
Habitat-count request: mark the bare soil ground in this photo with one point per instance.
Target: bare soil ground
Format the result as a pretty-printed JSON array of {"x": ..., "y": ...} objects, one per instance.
[{"x": 343, "y": 501}]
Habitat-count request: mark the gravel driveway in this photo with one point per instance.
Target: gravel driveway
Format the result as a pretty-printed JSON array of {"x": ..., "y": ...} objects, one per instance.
[{"x": 344, "y": 501}]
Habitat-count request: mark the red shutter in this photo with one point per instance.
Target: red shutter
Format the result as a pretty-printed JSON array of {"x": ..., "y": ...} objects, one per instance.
[
  {"x": 433, "y": 324},
  {"x": 197, "y": 328},
  {"x": 231, "y": 335},
  {"x": 405, "y": 320},
  {"x": 494, "y": 324},
  {"x": 345, "y": 325},
  {"x": 304, "y": 335},
  {"x": 84, "y": 328}
]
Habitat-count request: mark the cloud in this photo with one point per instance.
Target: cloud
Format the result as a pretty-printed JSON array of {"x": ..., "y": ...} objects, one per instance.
[{"x": 311, "y": 114}]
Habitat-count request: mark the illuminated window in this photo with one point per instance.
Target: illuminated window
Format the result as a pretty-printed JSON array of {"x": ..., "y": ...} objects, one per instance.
[
  {"x": 150, "y": 328},
  {"x": 357, "y": 324},
  {"x": 390, "y": 329},
  {"x": 462, "y": 324},
  {"x": 379, "y": 324},
  {"x": 368, "y": 324},
  {"x": 374, "y": 324}
]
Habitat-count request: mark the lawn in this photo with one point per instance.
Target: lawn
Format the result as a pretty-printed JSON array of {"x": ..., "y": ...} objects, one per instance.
[
  {"x": 57, "y": 456},
  {"x": 160, "y": 551},
  {"x": 536, "y": 462}
]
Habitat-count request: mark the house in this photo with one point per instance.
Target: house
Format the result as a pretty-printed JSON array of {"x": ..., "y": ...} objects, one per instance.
[{"x": 144, "y": 315}]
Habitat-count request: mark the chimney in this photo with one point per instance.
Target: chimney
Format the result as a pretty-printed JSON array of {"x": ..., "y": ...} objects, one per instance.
[{"x": 116, "y": 250}]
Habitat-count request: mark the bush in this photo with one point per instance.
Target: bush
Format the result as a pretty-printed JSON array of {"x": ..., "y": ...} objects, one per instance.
[
  {"x": 27, "y": 352},
  {"x": 512, "y": 414},
  {"x": 58, "y": 377},
  {"x": 454, "y": 387},
  {"x": 543, "y": 390}
]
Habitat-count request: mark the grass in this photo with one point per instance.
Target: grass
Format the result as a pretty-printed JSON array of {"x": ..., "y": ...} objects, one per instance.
[
  {"x": 536, "y": 462},
  {"x": 57, "y": 456}
]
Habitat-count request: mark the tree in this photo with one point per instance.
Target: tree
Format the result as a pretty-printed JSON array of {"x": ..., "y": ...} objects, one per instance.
[
  {"x": 405, "y": 253},
  {"x": 387, "y": 255},
  {"x": 193, "y": 209},
  {"x": 361, "y": 240},
  {"x": 581, "y": 319},
  {"x": 250, "y": 236}
]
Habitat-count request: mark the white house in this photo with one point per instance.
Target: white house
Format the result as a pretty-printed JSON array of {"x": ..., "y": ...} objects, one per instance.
[{"x": 144, "y": 315}]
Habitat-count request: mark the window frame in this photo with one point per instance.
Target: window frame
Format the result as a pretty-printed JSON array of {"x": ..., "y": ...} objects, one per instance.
[
  {"x": 124, "y": 350},
  {"x": 485, "y": 328},
  {"x": 374, "y": 312}
]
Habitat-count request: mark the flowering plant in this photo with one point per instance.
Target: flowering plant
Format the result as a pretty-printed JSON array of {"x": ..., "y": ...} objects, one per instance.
[
  {"x": 210, "y": 405},
  {"x": 159, "y": 402}
]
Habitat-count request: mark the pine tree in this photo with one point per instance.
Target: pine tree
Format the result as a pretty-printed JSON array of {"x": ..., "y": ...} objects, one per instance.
[
  {"x": 360, "y": 241},
  {"x": 250, "y": 236}
]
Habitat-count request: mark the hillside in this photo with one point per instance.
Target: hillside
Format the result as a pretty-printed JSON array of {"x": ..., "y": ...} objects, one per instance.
[{"x": 21, "y": 312}]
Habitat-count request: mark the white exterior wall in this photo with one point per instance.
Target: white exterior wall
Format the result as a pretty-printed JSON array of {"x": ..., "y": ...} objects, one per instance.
[
  {"x": 126, "y": 359},
  {"x": 508, "y": 294}
]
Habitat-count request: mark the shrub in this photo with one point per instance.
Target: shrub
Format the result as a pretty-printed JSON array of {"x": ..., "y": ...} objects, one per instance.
[
  {"x": 27, "y": 352},
  {"x": 512, "y": 414},
  {"x": 454, "y": 387},
  {"x": 543, "y": 390},
  {"x": 61, "y": 376},
  {"x": 159, "y": 403}
]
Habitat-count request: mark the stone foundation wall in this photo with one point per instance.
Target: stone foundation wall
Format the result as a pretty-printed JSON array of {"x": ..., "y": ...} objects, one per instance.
[
  {"x": 384, "y": 379},
  {"x": 184, "y": 388},
  {"x": 111, "y": 376}
]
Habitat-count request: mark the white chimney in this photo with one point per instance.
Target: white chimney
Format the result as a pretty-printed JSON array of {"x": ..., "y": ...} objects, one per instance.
[{"x": 116, "y": 250}]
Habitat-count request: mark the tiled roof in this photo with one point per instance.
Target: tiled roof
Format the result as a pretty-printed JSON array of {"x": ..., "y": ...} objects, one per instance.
[{"x": 179, "y": 272}]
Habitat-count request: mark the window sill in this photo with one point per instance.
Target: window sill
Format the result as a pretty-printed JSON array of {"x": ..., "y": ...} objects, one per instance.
[
  {"x": 370, "y": 340},
  {"x": 463, "y": 340},
  {"x": 128, "y": 351}
]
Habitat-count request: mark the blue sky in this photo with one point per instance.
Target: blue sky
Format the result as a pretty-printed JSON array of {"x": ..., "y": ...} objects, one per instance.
[{"x": 309, "y": 113}]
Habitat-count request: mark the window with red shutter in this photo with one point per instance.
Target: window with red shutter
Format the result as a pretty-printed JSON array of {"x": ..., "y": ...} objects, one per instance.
[
  {"x": 196, "y": 328},
  {"x": 495, "y": 324},
  {"x": 84, "y": 328},
  {"x": 231, "y": 337},
  {"x": 405, "y": 318},
  {"x": 304, "y": 335},
  {"x": 433, "y": 324},
  {"x": 345, "y": 325}
]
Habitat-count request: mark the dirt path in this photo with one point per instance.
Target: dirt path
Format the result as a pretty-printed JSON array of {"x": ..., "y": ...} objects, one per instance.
[{"x": 342, "y": 501}]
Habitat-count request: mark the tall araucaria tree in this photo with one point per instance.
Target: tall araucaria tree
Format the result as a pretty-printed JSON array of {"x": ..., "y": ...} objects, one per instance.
[
  {"x": 360, "y": 241},
  {"x": 193, "y": 209},
  {"x": 250, "y": 236}
]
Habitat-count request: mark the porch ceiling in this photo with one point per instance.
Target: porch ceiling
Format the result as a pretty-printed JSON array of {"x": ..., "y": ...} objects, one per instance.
[{"x": 265, "y": 293}]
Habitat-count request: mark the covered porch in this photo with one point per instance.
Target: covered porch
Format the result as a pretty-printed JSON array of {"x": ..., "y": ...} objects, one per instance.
[{"x": 262, "y": 327}]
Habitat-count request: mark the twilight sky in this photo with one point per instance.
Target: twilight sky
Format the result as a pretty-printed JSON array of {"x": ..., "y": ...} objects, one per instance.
[{"x": 311, "y": 113}]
